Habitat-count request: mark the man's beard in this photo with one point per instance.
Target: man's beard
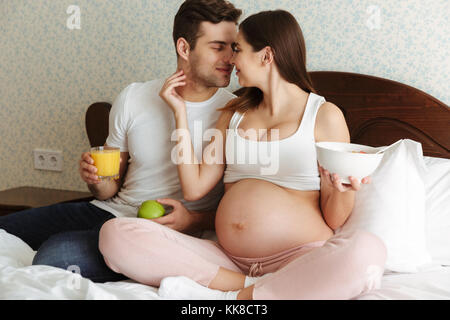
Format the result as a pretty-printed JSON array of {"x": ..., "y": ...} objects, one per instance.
[{"x": 208, "y": 79}]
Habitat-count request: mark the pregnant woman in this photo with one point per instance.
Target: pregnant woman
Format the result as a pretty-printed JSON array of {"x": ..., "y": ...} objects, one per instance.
[{"x": 276, "y": 219}]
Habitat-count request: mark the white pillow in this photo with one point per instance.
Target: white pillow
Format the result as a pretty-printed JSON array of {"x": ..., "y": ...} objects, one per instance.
[
  {"x": 14, "y": 252},
  {"x": 393, "y": 207},
  {"x": 437, "y": 186}
]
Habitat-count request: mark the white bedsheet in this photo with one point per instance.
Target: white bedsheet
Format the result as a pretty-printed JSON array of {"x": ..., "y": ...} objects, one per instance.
[{"x": 20, "y": 280}]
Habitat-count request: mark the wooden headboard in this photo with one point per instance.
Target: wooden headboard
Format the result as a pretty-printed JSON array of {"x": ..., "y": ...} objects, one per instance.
[{"x": 380, "y": 111}]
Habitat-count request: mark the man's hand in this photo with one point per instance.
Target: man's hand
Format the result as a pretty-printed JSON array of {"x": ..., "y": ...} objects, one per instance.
[
  {"x": 180, "y": 219},
  {"x": 88, "y": 171},
  {"x": 105, "y": 189},
  {"x": 170, "y": 95}
]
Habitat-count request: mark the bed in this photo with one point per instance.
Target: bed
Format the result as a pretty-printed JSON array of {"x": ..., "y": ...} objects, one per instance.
[{"x": 378, "y": 112}]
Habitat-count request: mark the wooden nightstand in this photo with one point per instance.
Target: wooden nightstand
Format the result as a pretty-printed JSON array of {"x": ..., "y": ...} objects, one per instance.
[{"x": 22, "y": 198}]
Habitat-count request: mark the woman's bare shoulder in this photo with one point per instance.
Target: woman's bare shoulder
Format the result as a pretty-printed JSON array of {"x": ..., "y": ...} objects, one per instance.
[
  {"x": 328, "y": 111},
  {"x": 224, "y": 119},
  {"x": 330, "y": 124}
]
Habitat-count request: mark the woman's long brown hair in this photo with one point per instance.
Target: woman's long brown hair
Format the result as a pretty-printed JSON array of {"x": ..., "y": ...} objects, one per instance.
[{"x": 281, "y": 32}]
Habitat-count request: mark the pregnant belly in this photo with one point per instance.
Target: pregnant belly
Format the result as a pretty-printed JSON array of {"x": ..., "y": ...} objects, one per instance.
[{"x": 257, "y": 218}]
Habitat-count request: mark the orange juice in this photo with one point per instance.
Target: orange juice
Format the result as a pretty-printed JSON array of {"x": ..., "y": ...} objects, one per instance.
[{"x": 107, "y": 161}]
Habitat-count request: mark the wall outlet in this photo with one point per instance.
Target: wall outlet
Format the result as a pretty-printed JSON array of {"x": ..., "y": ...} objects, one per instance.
[{"x": 48, "y": 160}]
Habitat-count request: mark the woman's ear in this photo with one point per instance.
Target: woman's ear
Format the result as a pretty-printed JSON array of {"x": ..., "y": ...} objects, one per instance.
[
  {"x": 183, "y": 48},
  {"x": 267, "y": 57}
]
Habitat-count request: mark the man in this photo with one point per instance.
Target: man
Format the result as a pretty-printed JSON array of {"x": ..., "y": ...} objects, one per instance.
[{"x": 141, "y": 125}]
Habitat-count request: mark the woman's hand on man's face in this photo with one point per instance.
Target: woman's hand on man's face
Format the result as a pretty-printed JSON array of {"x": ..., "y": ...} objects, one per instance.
[{"x": 170, "y": 95}]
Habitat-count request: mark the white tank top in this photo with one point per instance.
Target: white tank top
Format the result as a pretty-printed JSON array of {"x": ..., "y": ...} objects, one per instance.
[{"x": 290, "y": 162}]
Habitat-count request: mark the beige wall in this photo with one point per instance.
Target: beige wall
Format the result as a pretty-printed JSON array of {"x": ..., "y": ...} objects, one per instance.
[{"x": 50, "y": 74}]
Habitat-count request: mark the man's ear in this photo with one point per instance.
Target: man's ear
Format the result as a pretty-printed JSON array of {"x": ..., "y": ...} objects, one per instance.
[{"x": 183, "y": 48}]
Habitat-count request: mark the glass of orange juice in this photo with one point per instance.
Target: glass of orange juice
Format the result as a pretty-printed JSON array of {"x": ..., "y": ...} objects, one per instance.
[{"x": 107, "y": 161}]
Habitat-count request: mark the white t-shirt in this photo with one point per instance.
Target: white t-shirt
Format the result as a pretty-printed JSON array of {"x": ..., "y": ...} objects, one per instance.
[{"x": 141, "y": 123}]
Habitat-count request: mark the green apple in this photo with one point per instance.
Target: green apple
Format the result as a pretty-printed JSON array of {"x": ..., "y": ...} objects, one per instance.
[{"x": 151, "y": 209}]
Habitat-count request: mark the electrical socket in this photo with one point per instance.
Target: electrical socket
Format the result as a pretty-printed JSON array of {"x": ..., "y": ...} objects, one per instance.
[{"x": 48, "y": 159}]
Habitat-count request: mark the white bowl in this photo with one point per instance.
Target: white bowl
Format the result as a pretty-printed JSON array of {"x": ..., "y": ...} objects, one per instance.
[{"x": 337, "y": 157}]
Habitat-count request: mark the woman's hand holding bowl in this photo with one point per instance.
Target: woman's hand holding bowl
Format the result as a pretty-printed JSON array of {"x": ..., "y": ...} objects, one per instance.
[{"x": 334, "y": 180}]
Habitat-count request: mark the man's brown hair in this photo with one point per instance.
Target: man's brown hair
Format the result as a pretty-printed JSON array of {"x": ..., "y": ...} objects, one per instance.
[{"x": 192, "y": 12}]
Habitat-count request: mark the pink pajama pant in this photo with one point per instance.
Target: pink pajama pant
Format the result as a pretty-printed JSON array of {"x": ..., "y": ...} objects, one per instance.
[{"x": 342, "y": 267}]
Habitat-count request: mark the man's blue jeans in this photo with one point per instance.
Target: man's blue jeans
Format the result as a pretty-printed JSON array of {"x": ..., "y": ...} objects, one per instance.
[{"x": 64, "y": 235}]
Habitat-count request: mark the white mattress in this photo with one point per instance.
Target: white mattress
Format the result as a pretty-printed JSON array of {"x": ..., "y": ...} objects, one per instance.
[{"x": 20, "y": 280}]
